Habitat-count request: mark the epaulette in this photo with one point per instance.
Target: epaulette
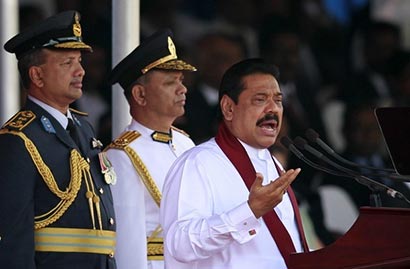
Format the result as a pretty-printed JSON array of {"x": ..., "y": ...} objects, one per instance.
[
  {"x": 123, "y": 140},
  {"x": 78, "y": 112},
  {"x": 180, "y": 131},
  {"x": 20, "y": 121}
]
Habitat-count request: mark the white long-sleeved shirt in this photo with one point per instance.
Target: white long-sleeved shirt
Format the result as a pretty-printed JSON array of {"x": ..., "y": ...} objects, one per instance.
[
  {"x": 206, "y": 218},
  {"x": 136, "y": 212}
]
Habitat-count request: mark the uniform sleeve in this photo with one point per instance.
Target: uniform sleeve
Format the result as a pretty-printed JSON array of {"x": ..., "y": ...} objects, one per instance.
[
  {"x": 128, "y": 195},
  {"x": 195, "y": 227},
  {"x": 17, "y": 183}
]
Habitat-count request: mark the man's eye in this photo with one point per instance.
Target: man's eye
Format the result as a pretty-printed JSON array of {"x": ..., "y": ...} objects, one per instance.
[
  {"x": 260, "y": 99},
  {"x": 170, "y": 83}
]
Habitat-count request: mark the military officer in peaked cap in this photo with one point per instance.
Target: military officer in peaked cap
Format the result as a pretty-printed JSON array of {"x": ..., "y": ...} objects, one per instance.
[
  {"x": 56, "y": 209},
  {"x": 152, "y": 78}
]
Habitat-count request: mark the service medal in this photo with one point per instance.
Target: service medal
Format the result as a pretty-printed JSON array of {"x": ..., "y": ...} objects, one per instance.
[{"x": 110, "y": 176}]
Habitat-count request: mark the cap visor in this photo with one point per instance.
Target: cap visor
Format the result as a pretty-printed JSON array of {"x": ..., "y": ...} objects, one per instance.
[
  {"x": 176, "y": 65},
  {"x": 74, "y": 45}
]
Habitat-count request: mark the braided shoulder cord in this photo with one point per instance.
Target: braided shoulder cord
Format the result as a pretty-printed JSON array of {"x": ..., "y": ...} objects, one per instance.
[
  {"x": 144, "y": 174},
  {"x": 122, "y": 143},
  {"x": 77, "y": 166}
]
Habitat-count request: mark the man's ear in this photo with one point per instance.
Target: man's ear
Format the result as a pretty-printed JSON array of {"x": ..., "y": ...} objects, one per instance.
[
  {"x": 227, "y": 107},
  {"x": 138, "y": 94},
  {"x": 36, "y": 76}
]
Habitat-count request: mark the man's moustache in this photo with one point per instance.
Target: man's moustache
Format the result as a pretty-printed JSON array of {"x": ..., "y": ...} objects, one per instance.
[{"x": 268, "y": 117}]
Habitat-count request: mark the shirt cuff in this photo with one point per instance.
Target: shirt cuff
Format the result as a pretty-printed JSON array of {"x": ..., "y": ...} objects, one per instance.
[{"x": 246, "y": 226}]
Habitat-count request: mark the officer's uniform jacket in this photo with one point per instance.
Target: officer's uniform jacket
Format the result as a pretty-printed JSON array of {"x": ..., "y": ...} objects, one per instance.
[
  {"x": 38, "y": 194},
  {"x": 141, "y": 165}
]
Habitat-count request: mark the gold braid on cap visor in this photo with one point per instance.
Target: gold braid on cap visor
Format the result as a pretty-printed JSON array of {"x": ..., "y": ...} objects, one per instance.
[{"x": 176, "y": 65}]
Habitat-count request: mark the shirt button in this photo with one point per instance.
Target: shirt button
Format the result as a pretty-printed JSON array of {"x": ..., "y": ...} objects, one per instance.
[
  {"x": 101, "y": 190},
  {"x": 88, "y": 160},
  {"x": 111, "y": 255},
  {"x": 112, "y": 221}
]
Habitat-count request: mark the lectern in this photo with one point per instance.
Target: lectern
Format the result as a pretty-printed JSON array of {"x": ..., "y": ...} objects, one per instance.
[{"x": 380, "y": 238}]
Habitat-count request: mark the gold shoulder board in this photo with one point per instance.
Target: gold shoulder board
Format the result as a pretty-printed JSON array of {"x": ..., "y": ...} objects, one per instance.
[
  {"x": 78, "y": 112},
  {"x": 180, "y": 131},
  {"x": 19, "y": 121},
  {"x": 124, "y": 140}
]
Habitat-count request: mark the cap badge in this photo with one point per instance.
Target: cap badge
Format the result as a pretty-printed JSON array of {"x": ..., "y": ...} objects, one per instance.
[
  {"x": 77, "y": 26},
  {"x": 171, "y": 47},
  {"x": 171, "y": 56}
]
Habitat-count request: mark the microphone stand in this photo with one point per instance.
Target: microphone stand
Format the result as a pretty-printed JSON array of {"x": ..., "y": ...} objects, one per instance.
[{"x": 374, "y": 198}]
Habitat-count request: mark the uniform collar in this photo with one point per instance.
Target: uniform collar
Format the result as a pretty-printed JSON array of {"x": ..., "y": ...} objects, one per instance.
[
  {"x": 155, "y": 135},
  {"x": 162, "y": 137}
]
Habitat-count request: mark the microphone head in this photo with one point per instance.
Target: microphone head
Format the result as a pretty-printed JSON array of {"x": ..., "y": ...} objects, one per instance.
[
  {"x": 286, "y": 141},
  {"x": 311, "y": 135},
  {"x": 300, "y": 142}
]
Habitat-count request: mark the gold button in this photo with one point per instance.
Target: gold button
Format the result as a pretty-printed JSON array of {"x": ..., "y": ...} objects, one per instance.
[
  {"x": 101, "y": 190},
  {"x": 111, "y": 221},
  {"x": 111, "y": 255}
]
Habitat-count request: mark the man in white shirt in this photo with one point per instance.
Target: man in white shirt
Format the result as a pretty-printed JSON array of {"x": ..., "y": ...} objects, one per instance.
[
  {"x": 227, "y": 203},
  {"x": 152, "y": 78}
]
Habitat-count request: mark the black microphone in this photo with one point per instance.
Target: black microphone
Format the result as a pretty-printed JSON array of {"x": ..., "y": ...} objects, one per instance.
[
  {"x": 368, "y": 182},
  {"x": 303, "y": 145},
  {"x": 313, "y": 137},
  {"x": 287, "y": 143}
]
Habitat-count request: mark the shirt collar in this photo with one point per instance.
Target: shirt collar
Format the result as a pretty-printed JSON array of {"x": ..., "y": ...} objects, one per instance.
[
  {"x": 261, "y": 154},
  {"x": 60, "y": 117}
]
